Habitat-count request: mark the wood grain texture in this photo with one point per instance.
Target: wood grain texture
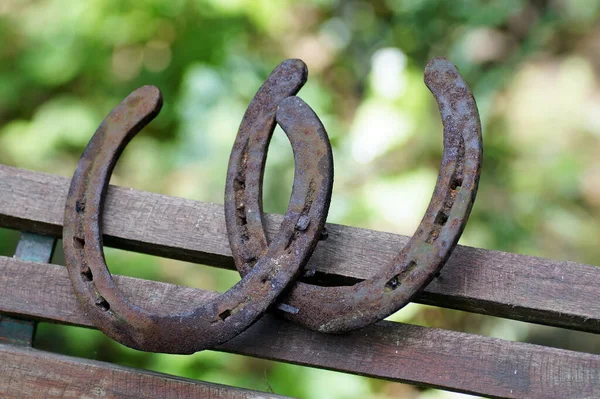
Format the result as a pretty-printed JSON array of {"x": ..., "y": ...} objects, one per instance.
[
  {"x": 31, "y": 373},
  {"x": 526, "y": 288},
  {"x": 399, "y": 352}
]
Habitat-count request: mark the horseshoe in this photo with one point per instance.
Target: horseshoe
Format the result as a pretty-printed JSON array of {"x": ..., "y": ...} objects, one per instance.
[
  {"x": 229, "y": 314},
  {"x": 345, "y": 308}
]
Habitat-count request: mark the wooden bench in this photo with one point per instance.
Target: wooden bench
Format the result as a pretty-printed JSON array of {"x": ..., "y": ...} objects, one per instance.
[{"x": 536, "y": 290}]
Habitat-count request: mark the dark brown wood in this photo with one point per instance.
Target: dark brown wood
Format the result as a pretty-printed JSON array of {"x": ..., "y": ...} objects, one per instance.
[
  {"x": 399, "y": 352},
  {"x": 527, "y": 288},
  {"x": 31, "y": 373}
]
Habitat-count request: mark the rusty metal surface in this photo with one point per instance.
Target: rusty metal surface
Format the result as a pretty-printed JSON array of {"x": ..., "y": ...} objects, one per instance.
[
  {"x": 243, "y": 187},
  {"x": 229, "y": 314},
  {"x": 345, "y": 308}
]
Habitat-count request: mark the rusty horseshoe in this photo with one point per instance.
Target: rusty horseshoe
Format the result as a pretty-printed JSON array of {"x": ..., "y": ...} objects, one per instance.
[
  {"x": 222, "y": 318},
  {"x": 344, "y": 308}
]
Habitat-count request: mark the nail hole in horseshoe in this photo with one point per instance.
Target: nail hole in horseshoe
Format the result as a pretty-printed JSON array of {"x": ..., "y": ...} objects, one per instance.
[
  {"x": 396, "y": 281},
  {"x": 79, "y": 206},
  {"x": 441, "y": 219},
  {"x": 437, "y": 227},
  {"x": 86, "y": 274},
  {"x": 225, "y": 314},
  {"x": 456, "y": 184},
  {"x": 103, "y": 304},
  {"x": 78, "y": 243},
  {"x": 238, "y": 184}
]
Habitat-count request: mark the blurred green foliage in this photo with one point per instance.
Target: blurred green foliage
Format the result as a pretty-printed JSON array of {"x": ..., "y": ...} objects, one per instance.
[{"x": 533, "y": 66}]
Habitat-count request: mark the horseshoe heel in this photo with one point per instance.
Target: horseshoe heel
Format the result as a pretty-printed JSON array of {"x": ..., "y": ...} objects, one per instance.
[
  {"x": 345, "y": 308},
  {"x": 224, "y": 317},
  {"x": 243, "y": 187}
]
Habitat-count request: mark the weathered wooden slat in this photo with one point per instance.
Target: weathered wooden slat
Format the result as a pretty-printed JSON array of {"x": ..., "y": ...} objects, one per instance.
[
  {"x": 398, "y": 352},
  {"x": 526, "y": 288},
  {"x": 32, "y": 373}
]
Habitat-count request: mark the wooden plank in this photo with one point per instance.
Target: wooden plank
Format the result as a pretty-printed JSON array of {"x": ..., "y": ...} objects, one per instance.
[
  {"x": 31, "y": 373},
  {"x": 526, "y": 288},
  {"x": 399, "y": 352}
]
